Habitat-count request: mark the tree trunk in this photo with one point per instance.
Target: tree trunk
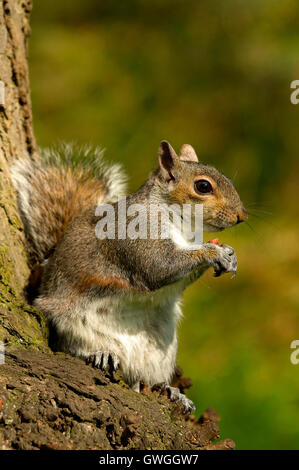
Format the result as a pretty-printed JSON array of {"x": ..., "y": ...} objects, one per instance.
[
  {"x": 19, "y": 323},
  {"x": 55, "y": 401}
]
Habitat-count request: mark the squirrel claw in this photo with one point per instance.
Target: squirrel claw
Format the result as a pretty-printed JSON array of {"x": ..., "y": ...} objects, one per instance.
[
  {"x": 175, "y": 395},
  {"x": 100, "y": 360}
]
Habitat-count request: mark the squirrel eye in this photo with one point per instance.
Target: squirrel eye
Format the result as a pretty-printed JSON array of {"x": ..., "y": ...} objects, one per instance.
[{"x": 203, "y": 187}]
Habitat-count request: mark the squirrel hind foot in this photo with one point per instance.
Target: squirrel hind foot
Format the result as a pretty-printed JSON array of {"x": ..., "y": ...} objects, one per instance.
[
  {"x": 101, "y": 360},
  {"x": 175, "y": 395}
]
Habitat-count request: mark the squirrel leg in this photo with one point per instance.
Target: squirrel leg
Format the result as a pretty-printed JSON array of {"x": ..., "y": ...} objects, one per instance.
[
  {"x": 175, "y": 395},
  {"x": 101, "y": 359}
]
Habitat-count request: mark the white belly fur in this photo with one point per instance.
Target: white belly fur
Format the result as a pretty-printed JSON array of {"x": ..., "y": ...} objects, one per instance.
[{"x": 141, "y": 330}]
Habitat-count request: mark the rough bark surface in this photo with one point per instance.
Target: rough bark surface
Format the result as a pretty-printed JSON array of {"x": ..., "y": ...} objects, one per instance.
[
  {"x": 58, "y": 402},
  {"x": 55, "y": 401},
  {"x": 19, "y": 322}
]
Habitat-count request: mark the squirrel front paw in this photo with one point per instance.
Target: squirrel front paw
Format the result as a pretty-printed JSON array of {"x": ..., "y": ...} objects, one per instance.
[
  {"x": 101, "y": 360},
  {"x": 222, "y": 258}
]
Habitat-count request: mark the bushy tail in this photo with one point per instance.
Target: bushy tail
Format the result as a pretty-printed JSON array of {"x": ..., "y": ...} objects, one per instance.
[{"x": 62, "y": 184}]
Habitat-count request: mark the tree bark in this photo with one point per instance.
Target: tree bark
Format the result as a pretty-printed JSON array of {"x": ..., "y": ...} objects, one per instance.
[
  {"x": 55, "y": 401},
  {"x": 19, "y": 322}
]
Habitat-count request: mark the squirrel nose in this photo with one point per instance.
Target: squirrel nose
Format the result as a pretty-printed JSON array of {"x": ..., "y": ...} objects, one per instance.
[{"x": 242, "y": 216}]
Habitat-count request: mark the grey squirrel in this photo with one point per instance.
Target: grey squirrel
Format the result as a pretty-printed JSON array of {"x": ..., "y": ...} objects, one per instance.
[{"x": 118, "y": 300}]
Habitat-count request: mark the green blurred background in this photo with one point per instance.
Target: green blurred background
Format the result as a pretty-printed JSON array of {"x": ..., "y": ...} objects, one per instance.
[{"x": 126, "y": 75}]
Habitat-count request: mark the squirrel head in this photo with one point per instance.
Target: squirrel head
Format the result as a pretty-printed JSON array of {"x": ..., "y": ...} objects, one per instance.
[{"x": 184, "y": 180}]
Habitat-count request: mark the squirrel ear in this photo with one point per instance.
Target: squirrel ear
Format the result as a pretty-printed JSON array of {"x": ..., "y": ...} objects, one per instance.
[
  {"x": 168, "y": 160},
  {"x": 187, "y": 154}
]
